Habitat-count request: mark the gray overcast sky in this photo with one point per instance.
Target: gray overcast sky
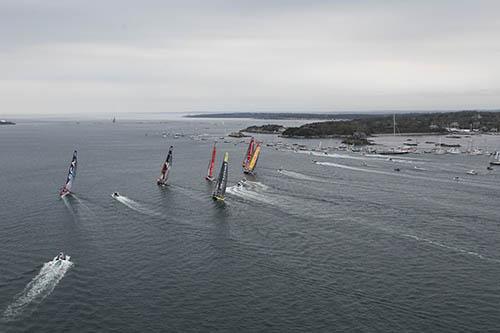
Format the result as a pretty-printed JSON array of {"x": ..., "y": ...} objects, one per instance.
[{"x": 111, "y": 57}]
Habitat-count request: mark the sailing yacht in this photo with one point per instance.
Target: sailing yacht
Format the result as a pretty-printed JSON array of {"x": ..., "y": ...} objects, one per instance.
[
  {"x": 66, "y": 189},
  {"x": 165, "y": 169},
  {"x": 248, "y": 155},
  {"x": 251, "y": 157},
  {"x": 211, "y": 163},
  {"x": 220, "y": 186},
  {"x": 496, "y": 161}
]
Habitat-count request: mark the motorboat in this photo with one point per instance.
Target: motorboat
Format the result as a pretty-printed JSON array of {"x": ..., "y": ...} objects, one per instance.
[{"x": 61, "y": 256}]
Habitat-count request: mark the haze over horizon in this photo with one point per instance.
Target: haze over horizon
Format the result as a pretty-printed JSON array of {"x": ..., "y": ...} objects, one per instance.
[{"x": 123, "y": 57}]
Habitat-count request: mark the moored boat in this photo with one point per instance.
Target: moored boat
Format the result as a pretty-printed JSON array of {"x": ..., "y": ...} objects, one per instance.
[{"x": 496, "y": 161}]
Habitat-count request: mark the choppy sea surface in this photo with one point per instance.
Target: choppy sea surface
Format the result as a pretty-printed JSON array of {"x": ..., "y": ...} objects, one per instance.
[{"x": 344, "y": 244}]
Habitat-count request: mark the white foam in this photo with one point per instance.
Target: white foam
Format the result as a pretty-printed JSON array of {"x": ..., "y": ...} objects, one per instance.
[
  {"x": 250, "y": 191},
  {"x": 410, "y": 176},
  {"x": 134, "y": 205},
  {"x": 452, "y": 248},
  {"x": 398, "y": 159},
  {"x": 300, "y": 176},
  {"x": 38, "y": 289}
]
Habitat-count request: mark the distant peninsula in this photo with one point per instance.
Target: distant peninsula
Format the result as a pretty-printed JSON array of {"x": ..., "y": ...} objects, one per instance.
[
  {"x": 265, "y": 129},
  {"x": 462, "y": 121},
  {"x": 5, "y": 122},
  {"x": 280, "y": 115}
]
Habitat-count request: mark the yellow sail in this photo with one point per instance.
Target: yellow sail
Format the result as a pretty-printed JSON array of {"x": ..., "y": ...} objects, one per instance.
[{"x": 255, "y": 157}]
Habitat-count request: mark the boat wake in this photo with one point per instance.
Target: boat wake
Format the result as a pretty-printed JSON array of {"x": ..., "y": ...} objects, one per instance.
[
  {"x": 365, "y": 157},
  {"x": 301, "y": 176},
  {"x": 452, "y": 248},
  {"x": 77, "y": 207},
  {"x": 261, "y": 193},
  {"x": 134, "y": 205},
  {"x": 251, "y": 191},
  {"x": 38, "y": 289}
]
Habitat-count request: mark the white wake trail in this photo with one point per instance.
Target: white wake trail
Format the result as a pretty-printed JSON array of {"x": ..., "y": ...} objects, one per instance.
[
  {"x": 38, "y": 289},
  {"x": 452, "y": 248},
  {"x": 405, "y": 175},
  {"x": 77, "y": 207},
  {"x": 363, "y": 157},
  {"x": 251, "y": 191},
  {"x": 301, "y": 176},
  {"x": 134, "y": 205}
]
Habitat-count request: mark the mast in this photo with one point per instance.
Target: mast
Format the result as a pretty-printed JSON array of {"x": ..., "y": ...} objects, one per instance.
[
  {"x": 394, "y": 124},
  {"x": 211, "y": 163},
  {"x": 221, "y": 184}
]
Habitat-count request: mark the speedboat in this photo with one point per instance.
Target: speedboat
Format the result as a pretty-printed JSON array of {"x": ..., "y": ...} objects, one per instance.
[
  {"x": 241, "y": 183},
  {"x": 115, "y": 194},
  {"x": 61, "y": 256},
  {"x": 397, "y": 169},
  {"x": 472, "y": 172},
  {"x": 489, "y": 168}
]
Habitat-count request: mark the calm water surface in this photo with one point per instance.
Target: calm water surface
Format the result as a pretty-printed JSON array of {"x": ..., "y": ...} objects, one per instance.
[{"x": 346, "y": 244}]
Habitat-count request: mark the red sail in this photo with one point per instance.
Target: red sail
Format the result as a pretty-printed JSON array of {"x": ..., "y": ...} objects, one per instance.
[
  {"x": 210, "y": 173},
  {"x": 249, "y": 153}
]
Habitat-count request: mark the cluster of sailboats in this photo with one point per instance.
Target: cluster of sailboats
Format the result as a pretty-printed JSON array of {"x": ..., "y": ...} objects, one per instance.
[{"x": 220, "y": 182}]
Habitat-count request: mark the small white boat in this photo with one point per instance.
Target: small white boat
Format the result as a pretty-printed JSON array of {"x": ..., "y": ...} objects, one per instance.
[
  {"x": 454, "y": 151},
  {"x": 61, "y": 256},
  {"x": 472, "y": 172}
]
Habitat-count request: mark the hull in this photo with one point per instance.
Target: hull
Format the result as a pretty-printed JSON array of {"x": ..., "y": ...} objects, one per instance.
[
  {"x": 393, "y": 152},
  {"x": 63, "y": 193},
  {"x": 217, "y": 198},
  {"x": 56, "y": 260},
  {"x": 210, "y": 179},
  {"x": 160, "y": 182},
  {"x": 495, "y": 163}
]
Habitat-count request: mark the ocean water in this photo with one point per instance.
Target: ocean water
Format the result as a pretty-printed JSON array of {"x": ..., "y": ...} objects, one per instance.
[{"x": 344, "y": 244}]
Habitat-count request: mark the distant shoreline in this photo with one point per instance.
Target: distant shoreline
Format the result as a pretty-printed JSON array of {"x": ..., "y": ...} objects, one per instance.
[{"x": 280, "y": 116}]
